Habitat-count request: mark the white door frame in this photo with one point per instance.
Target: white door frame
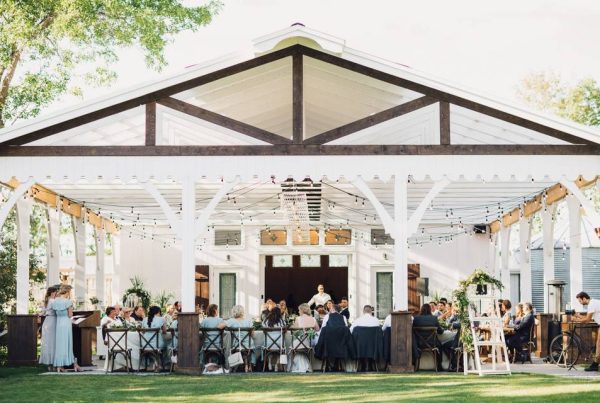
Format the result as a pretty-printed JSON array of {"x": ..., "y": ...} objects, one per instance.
[{"x": 240, "y": 283}]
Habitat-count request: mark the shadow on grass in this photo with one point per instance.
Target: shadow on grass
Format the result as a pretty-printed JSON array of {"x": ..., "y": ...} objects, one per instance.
[{"x": 25, "y": 384}]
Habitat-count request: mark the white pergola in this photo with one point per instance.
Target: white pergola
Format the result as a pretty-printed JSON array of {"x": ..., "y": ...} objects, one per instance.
[{"x": 422, "y": 154}]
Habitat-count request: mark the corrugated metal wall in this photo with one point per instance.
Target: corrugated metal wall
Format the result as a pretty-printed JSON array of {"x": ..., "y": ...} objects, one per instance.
[{"x": 591, "y": 274}]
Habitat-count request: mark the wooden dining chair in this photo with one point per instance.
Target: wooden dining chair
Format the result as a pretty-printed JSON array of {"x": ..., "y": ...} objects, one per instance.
[{"x": 117, "y": 345}]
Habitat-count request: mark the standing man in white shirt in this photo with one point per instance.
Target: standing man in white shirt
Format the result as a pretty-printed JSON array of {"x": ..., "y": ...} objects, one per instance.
[
  {"x": 366, "y": 320},
  {"x": 320, "y": 298},
  {"x": 592, "y": 314}
]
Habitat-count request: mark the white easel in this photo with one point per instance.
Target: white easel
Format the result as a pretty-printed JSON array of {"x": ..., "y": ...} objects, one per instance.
[{"x": 496, "y": 341}]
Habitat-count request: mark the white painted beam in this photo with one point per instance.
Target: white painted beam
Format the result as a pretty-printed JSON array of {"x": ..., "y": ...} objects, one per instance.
[
  {"x": 548, "y": 248},
  {"x": 116, "y": 277},
  {"x": 23, "y": 234},
  {"x": 187, "y": 235},
  {"x": 575, "y": 252},
  {"x": 525, "y": 260},
  {"x": 386, "y": 219},
  {"x": 504, "y": 260},
  {"x": 164, "y": 205},
  {"x": 80, "y": 235},
  {"x": 417, "y": 215},
  {"x": 201, "y": 222},
  {"x": 100, "y": 239},
  {"x": 400, "y": 277},
  {"x": 15, "y": 195},
  {"x": 53, "y": 245},
  {"x": 590, "y": 211}
]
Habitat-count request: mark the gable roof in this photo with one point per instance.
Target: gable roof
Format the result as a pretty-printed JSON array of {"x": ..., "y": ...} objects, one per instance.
[{"x": 491, "y": 119}]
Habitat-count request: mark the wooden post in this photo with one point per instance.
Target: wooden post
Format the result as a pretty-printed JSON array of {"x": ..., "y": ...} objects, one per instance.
[
  {"x": 188, "y": 343},
  {"x": 22, "y": 340},
  {"x": 543, "y": 334},
  {"x": 401, "y": 343}
]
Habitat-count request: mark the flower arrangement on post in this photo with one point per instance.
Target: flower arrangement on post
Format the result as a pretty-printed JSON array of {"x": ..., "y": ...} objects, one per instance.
[
  {"x": 136, "y": 294},
  {"x": 480, "y": 279}
]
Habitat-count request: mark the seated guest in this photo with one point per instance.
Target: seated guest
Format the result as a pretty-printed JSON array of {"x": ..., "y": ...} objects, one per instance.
[
  {"x": 238, "y": 320},
  {"x": 169, "y": 314},
  {"x": 387, "y": 322},
  {"x": 505, "y": 310},
  {"x": 111, "y": 317},
  {"x": 284, "y": 310},
  {"x": 304, "y": 319},
  {"x": 156, "y": 321},
  {"x": 443, "y": 311},
  {"x": 267, "y": 307},
  {"x": 320, "y": 313},
  {"x": 177, "y": 306},
  {"x": 138, "y": 314},
  {"x": 329, "y": 306},
  {"x": 274, "y": 320},
  {"x": 434, "y": 310},
  {"x": 335, "y": 340},
  {"x": 344, "y": 305},
  {"x": 212, "y": 321},
  {"x": 335, "y": 316},
  {"x": 522, "y": 330},
  {"x": 426, "y": 319},
  {"x": 127, "y": 315},
  {"x": 518, "y": 314},
  {"x": 453, "y": 320},
  {"x": 366, "y": 320}
]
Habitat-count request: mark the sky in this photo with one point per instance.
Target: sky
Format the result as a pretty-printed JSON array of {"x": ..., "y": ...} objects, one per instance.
[{"x": 481, "y": 45}]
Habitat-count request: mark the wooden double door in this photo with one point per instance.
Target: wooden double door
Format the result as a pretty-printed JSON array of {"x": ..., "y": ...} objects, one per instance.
[{"x": 297, "y": 284}]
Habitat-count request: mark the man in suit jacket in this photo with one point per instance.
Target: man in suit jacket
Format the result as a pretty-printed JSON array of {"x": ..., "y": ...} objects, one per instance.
[
  {"x": 522, "y": 329},
  {"x": 344, "y": 308}
]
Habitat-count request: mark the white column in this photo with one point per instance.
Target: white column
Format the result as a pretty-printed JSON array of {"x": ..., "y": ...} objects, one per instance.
[
  {"x": 116, "y": 277},
  {"x": 504, "y": 260},
  {"x": 188, "y": 203},
  {"x": 23, "y": 228},
  {"x": 400, "y": 242},
  {"x": 53, "y": 245},
  {"x": 80, "y": 235},
  {"x": 575, "y": 253},
  {"x": 100, "y": 239},
  {"x": 525, "y": 259},
  {"x": 548, "y": 251}
]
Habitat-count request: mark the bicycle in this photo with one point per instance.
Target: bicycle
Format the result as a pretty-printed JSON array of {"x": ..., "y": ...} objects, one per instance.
[{"x": 566, "y": 348}]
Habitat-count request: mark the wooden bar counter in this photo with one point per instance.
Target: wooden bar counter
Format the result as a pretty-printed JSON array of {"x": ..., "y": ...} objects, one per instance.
[{"x": 587, "y": 331}]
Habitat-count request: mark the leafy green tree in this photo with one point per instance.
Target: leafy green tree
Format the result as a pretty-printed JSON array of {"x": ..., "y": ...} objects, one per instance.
[
  {"x": 548, "y": 93},
  {"x": 42, "y": 41}
]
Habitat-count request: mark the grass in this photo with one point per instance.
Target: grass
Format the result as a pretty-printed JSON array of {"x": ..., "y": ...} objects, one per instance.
[{"x": 20, "y": 384}]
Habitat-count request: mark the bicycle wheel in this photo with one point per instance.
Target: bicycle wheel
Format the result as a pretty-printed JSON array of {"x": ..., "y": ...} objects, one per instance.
[{"x": 564, "y": 350}]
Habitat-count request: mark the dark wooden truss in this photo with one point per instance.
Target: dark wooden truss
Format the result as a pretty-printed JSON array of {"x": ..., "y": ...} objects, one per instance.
[{"x": 297, "y": 145}]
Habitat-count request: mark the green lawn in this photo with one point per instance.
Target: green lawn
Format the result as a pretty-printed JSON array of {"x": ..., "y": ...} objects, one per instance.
[{"x": 28, "y": 385}]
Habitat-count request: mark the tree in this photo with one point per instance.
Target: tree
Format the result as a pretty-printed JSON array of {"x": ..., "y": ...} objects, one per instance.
[
  {"x": 548, "y": 93},
  {"x": 8, "y": 259},
  {"x": 42, "y": 41}
]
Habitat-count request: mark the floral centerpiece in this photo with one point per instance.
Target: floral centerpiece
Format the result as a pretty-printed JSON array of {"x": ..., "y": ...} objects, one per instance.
[
  {"x": 123, "y": 324},
  {"x": 480, "y": 279}
]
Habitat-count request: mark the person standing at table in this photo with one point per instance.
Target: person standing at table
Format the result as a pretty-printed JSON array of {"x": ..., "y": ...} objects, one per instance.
[
  {"x": 592, "y": 315},
  {"x": 63, "y": 352},
  {"x": 48, "y": 330},
  {"x": 320, "y": 298}
]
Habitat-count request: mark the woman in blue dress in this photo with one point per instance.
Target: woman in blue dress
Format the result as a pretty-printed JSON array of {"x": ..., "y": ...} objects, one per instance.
[
  {"x": 48, "y": 330},
  {"x": 63, "y": 352}
]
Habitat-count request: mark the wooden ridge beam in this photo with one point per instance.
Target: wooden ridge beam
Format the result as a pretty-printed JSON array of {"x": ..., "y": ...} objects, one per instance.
[
  {"x": 370, "y": 121},
  {"x": 50, "y": 198},
  {"x": 299, "y": 149},
  {"x": 444, "y": 122},
  {"x": 223, "y": 121},
  {"x": 554, "y": 194}
]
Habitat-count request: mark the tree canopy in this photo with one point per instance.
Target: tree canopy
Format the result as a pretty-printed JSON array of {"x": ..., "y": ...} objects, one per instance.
[
  {"x": 549, "y": 93},
  {"x": 42, "y": 41}
]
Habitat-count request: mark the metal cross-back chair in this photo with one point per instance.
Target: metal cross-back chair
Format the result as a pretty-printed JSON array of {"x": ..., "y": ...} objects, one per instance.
[
  {"x": 426, "y": 338},
  {"x": 149, "y": 346},
  {"x": 172, "y": 350},
  {"x": 241, "y": 341},
  {"x": 274, "y": 343},
  {"x": 301, "y": 343},
  {"x": 211, "y": 340},
  {"x": 117, "y": 345}
]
